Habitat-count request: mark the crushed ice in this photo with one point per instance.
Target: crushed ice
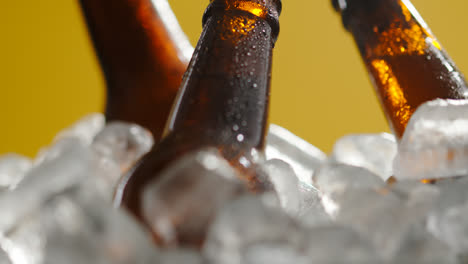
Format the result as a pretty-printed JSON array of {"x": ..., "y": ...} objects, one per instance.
[{"x": 57, "y": 208}]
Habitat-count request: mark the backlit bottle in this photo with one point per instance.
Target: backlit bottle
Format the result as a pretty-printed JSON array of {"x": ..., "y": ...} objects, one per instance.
[
  {"x": 143, "y": 54},
  {"x": 223, "y": 100},
  {"x": 406, "y": 63}
]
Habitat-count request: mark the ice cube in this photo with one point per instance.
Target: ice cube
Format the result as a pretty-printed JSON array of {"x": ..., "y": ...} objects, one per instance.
[
  {"x": 311, "y": 212},
  {"x": 335, "y": 177},
  {"x": 106, "y": 175},
  {"x": 285, "y": 184},
  {"x": 182, "y": 202},
  {"x": 338, "y": 244},
  {"x": 56, "y": 149},
  {"x": 117, "y": 147},
  {"x": 302, "y": 156},
  {"x": 69, "y": 166},
  {"x": 452, "y": 192},
  {"x": 273, "y": 253},
  {"x": 418, "y": 197},
  {"x": 70, "y": 163},
  {"x": 13, "y": 167},
  {"x": 449, "y": 217},
  {"x": 4, "y": 259},
  {"x": 123, "y": 143},
  {"x": 316, "y": 216},
  {"x": 180, "y": 256},
  {"x": 404, "y": 188},
  {"x": 452, "y": 227},
  {"x": 374, "y": 152},
  {"x": 420, "y": 247},
  {"x": 25, "y": 242},
  {"x": 309, "y": 198},
  {"x": 380, "y": 216},
  {"x": 296, "y": 197},
  {"x": 422, "y": 199},
  {"x": 85, "y": 129},
  {"x": 247, "y": 222},
  {"x": 435, "y": 143},
  {"x": 318, "y": 245},
  {"x": 114, "y": 235},
  {"x": 69, "y": 230}
]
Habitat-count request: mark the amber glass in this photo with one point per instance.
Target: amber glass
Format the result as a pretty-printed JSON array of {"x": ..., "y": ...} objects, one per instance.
[
  {"x": 406, "y": 63},
  {"x": 143, "y": 54},
  {"x": 223, "y": 100}
]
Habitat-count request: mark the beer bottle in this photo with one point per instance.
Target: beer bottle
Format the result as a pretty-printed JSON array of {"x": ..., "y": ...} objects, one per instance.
[
  {"x": 143, "y": 54},
  {"x": 223, "y": 99},
  {"x": 406, "y": 63}
]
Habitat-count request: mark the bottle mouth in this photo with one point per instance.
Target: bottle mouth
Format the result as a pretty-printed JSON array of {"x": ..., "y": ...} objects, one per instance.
[
  {"x": 260, "y": 8},
  {"x": 268, "y": 10}
]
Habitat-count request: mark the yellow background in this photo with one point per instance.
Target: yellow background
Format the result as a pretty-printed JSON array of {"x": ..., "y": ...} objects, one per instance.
[{"x": 49, "y": 76}]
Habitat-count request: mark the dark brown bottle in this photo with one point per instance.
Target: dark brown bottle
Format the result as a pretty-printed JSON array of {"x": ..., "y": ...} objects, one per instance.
[
  {"x": 223, "y": 100},
  {"x": 406, "y": 63},
  {"x": 143, "y": 54}
]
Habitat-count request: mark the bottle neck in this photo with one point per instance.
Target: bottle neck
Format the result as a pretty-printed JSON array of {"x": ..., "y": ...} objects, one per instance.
[
  {"x": 225, "y": 93},
  {"x": 406, "y": 62},
  {"x": 269, "y": 10},
  {"x": 143, "y": 54},
  {"x": 387, "y": 27},
  {"x": 172, "y": 28},
  {"x": 354, "y": 11},
  {"x": 132, "y": 37}
]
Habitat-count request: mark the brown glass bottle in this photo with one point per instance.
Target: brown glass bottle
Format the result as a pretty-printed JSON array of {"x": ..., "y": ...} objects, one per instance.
[
  {"x": 223, "y": 100},
  {"x": 406, "y": 63},
  {"x": 143, "y": 54}
]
